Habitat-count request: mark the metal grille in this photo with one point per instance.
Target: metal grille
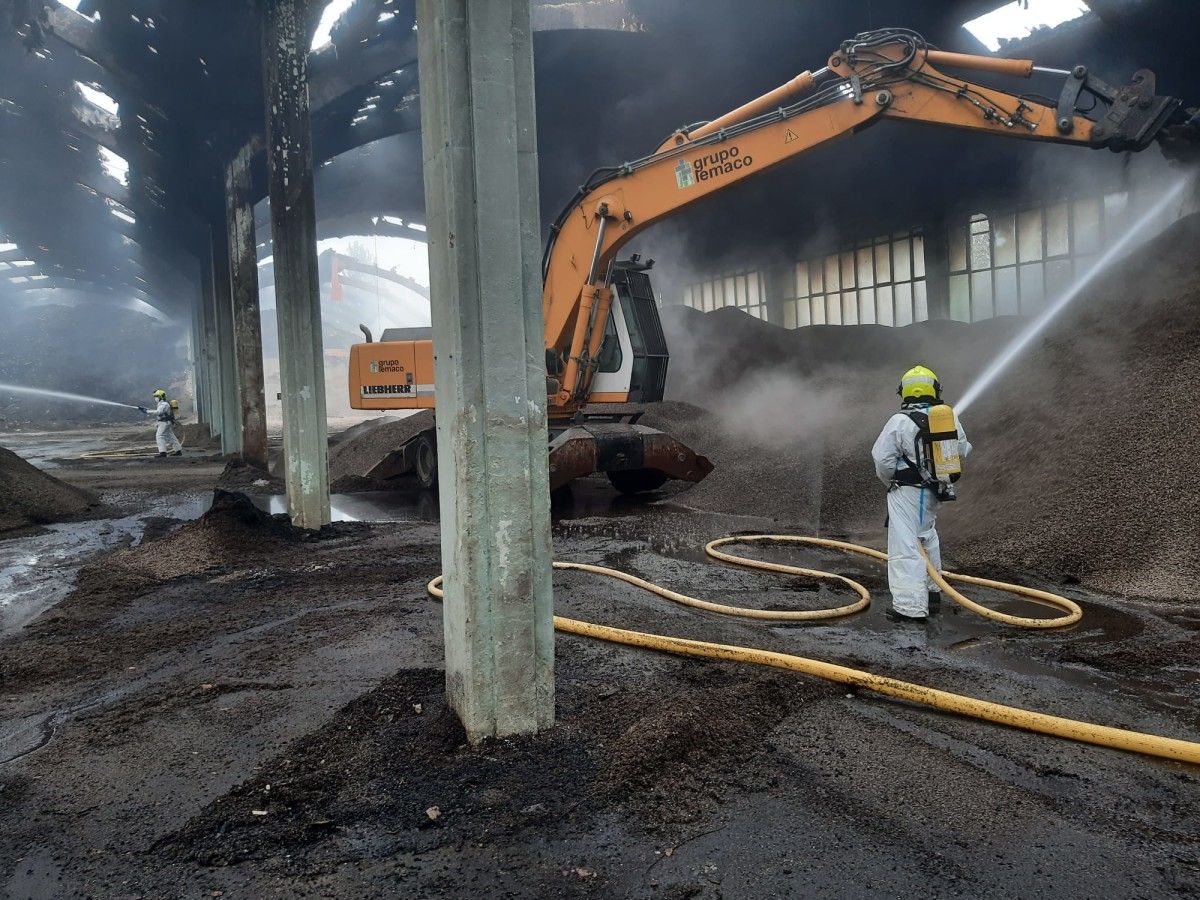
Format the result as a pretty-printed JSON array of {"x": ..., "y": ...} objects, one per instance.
[{"x": 645, "y": 332}]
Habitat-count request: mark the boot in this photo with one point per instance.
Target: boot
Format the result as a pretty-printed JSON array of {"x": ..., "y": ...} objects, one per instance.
[
  {"x": 900, "y": 618},
  {"x": 176, "y": 453},
  {"x": 935, "y": 602},
  {"x": 160, "y": 454}
]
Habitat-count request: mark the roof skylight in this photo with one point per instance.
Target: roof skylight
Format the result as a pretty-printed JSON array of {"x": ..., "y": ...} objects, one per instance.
[
  {"x": 332, "y": 12},
  {"x": 125, "y": 215},
  {"x": 1018, "y": 19},
  {"x": 98, "y": 98},
  {"x": 114, "y": 166}
]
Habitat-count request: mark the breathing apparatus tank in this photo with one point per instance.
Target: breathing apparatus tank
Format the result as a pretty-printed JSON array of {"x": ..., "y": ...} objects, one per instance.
[{"x": 940, "y": 439}]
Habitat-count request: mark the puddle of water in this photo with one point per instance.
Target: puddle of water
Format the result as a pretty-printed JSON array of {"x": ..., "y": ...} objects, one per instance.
[
  {"x": 44, "y": 449},
  {"x": 37, "y": 876},
  {"x": 38, "y": 571},
  {"x": 587, "y": 499},
  {"x": 370, "y": 506}
]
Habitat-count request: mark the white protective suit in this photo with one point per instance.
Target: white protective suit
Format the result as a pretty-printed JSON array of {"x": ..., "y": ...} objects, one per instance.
[
  {"x": 164, "y": 436},
  {"x": 912, "y": 516}
]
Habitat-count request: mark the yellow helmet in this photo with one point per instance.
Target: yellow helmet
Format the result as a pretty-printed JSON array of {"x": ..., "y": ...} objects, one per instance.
[
  {"x": 160, "y": 393},
  {"x": 918, "y": 383}
]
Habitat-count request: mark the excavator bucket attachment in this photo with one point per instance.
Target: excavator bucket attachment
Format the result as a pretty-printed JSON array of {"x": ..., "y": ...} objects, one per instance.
[{"x": 634, "y": 457}]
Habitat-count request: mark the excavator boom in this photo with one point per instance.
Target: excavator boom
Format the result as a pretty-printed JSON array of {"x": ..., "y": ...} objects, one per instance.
[{"x": 603, "y": 342}]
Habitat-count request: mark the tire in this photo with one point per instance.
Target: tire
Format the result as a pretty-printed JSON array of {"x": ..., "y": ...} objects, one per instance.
[
  {"x": 637, "y": 481},
  {"x": 424, "y": 455}
]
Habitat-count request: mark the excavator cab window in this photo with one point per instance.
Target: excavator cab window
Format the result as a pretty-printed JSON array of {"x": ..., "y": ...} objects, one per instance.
[{"x": 610, "y": 350}]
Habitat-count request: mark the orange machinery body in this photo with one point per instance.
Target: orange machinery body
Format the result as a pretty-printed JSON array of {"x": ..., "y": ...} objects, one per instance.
[
  {"x": 888, "y": 74},
  {"x": 392, "y": 375}
]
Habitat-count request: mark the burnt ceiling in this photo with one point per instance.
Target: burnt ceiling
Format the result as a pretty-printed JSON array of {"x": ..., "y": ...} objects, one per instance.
[{"x": 186, "y": 78}]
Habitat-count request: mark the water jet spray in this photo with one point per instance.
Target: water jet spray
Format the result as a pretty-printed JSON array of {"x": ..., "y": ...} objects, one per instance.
[
  {"x": 61, "y": 395},
  {"x": 1111, "y": 255}
]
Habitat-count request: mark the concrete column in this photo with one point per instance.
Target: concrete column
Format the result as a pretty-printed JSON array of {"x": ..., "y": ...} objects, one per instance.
[
  {"x": 247, "y": 323},
  {"x": 775, "y": 289},
  {"x": 199, "y": 363},
  {"x": 210, "y": 357},
  {"x": 937, "y": 266},
  {"x": 481, "y": 190},
  {"x": 297, "y": 290},
  {"x": 231, "y": 420}
]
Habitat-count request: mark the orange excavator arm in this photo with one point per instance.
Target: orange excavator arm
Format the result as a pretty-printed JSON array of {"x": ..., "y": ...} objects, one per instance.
[{"x": 888, "y": 74}]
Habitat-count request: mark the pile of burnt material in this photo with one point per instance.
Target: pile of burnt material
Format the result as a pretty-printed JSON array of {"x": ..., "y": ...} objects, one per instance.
[
  {"x": 1083, "y": 447},
  {"x": 30, "y": 498},
  {"x": 196, "y": 436},
  {"x": 355, "y": 455}
]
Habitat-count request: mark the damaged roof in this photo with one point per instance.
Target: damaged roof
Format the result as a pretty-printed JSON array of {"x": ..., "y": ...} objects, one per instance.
[{"x": 117, "y": 117}]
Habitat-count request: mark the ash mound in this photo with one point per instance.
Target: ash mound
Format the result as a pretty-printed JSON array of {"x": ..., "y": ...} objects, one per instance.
[
  {"x": 29, "y": 497},
  {"x": 1082, "y": 448},
  {"x": 357, "y": 450}
]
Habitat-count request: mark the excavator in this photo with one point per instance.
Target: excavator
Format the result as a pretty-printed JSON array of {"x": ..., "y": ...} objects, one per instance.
[{"x": 605, "y": 349}]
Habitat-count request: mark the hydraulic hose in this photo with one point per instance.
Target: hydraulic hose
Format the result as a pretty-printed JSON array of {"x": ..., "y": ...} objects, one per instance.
[{"x": 1012, "y": 716}]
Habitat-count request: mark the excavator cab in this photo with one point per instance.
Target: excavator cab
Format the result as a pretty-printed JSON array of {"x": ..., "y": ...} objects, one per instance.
[{"x": 631, "y": 370}]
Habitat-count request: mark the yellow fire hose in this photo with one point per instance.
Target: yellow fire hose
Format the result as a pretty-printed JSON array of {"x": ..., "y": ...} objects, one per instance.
[
  {"x": 123, "y": 453},
  {"x": 1086, "y": 732}
]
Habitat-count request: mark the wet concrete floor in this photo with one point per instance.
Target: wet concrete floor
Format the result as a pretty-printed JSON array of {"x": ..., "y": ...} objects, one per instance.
[{"x": 138, "y": 713}]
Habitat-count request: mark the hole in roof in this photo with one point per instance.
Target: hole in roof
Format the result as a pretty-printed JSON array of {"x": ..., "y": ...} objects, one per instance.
[
  {"x": 6, "y": 247},
  {"x": 75, "y": 4},
  {"x": 115, "y": 167},
  {"x": 98, "y": 98},
  {"x": 1019, "y": 19},
  {"x": 120, "y": 211},
  {"x": 332, "y": 12}
]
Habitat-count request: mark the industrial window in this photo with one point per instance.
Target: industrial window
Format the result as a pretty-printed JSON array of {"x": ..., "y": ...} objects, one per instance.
[
  {"x": 874, "y": 282},
  {"x": 743, "y": 290},
  {"x": 1013, "y": 263}
]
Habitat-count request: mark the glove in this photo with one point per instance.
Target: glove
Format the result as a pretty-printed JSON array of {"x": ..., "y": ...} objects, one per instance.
[{"x": 143, "y": 410}]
